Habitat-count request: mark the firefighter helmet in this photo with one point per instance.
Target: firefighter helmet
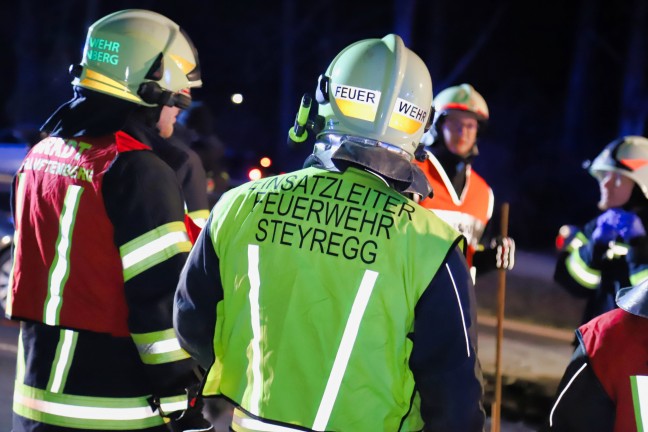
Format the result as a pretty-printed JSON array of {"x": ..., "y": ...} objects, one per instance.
[
  {"x": 462, "y": 97},
  {"x": 140, "y": 56},
  {"x": 379, "y": 92},
  {"x": 627, "y": 156}
]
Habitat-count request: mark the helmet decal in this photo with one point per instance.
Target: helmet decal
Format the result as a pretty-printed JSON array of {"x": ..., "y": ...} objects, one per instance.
[
  {"x": 103, "y": 51},
  {"x": 357, "y": 102},
  {"x": 407, "y": 117},
  {"x": 634, "y": 164},
  {"x": 140, "y": 56}
]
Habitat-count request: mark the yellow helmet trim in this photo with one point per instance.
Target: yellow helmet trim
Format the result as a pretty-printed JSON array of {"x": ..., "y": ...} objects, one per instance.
[
  {"x": 185, "y": 65},
  {"x": 357, "y": 102},
  {"x": 100, "y": 82},
  {"x": 407, "y": 117}
]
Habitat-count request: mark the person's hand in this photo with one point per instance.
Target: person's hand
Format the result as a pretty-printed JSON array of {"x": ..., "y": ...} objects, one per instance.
[
  {"x": 615, "y": 223},
  {"x": 504, "y": 252},
  {"x": 566, "y": 236},
  {"x": 630, "y": 226},
  {"x": 191, "y": 420}
]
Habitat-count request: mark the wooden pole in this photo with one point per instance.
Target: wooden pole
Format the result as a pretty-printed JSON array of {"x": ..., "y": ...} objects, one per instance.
[{"x": 501, "y": 291}]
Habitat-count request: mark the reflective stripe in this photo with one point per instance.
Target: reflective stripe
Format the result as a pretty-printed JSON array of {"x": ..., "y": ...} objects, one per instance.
[
  {"x": 244, "y": 423},
  {"x": 563, "y": 392},
  {"x": 616, "y": 250},
  {"x": 638, "y": 277},
  {"x": 587, "y": 277},
  {"x": 62, "y": 360},
  {"x": 60, "y": 269},
  {"x": 344, "y": 350},
  {"x": 174, "y": 403},
  {"x": 84, "y": 411},
  {"x": 20, "y": 201},
  {"x": 199, "y": 217},
  {"x": 639, "y": 386},
  {"x": 255, "y": 282},
  {"x": 154, "y": 247},
  {"x": 463, "y": 319},
  {"x": 159, "y": 347},
  {"x": 577, "y": 242}
]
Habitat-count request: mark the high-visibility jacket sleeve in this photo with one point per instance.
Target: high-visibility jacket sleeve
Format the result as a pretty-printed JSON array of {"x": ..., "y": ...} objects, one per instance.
[
  {"x": 198, "y": 293},
  {"x": 444, "y": 359},
  {"x": 145, "y": 205},
  {"x": 578, "y": 267},
  {"x": 581, "y": 404}
]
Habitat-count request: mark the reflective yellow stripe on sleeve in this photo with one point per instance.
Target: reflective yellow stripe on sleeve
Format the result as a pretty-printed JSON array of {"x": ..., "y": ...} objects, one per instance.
[
  {"x": 154, "y": 247},
  {"x": 199, "y": 217},
  {"x": 587, "y": 277},
  {"x": 159, "y": 347}
]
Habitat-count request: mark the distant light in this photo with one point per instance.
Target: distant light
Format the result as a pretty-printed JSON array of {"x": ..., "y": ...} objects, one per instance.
[
  {"x": 254, "y": 174},
  {"x": 265, "y": 162},
  {"x": 237, "y": 98}
]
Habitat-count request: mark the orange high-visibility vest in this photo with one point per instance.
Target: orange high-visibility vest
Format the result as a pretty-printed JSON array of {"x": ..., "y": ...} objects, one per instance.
[{"x": 468, "y": 213}]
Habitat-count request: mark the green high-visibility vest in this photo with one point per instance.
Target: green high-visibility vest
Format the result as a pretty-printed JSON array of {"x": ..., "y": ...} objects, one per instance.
[{"x": 321, "y": 273}]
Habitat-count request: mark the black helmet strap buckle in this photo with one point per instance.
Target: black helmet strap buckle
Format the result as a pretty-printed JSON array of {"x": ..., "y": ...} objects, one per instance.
[{"x": 322, "y": 92}]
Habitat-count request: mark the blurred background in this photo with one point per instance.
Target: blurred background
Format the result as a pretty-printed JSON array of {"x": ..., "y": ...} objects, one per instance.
[{"x": 561, "y": 77}]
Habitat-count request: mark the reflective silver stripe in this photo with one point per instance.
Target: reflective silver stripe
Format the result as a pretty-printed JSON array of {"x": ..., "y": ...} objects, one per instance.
[
  {"x": 616, "y": 250},
  {"x": 563, "y": 392},
  {"x": 20, "y": 201},
  {"x": 174, "y": 403},
  {"x": 576, "y": 243},
  {"x": 255, "y": 282},
  {"x": 60, "y": 267},
  {"x": 153, "y": 248},
  {"x": 585, "y": 276},
  {"x": 344, "y": 350},
  {"x": 63, "y": 360},
  {"x": 84, "y": 412},
  {"x": 463, "y": 319},
  {"x": 159, "y": 347},
  {"x": 639, "y": 385},
  {"x": 244, "y": 423},
  {"x": 638, "y": 277}
]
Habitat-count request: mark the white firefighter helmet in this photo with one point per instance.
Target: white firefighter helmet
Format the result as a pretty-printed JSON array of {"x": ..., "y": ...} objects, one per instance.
[
  {"x": 462, "y": 97},
  {"x": 140, "y": 56},
  {"x": 378, "y": 92},
  {"x": 627, "y": 156}
]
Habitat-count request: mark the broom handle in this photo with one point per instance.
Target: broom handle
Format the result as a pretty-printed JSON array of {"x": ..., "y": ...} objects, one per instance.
[{"x": 501, "y": 290}]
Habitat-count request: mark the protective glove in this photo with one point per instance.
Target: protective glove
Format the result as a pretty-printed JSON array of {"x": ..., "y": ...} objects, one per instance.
[
  {"x": 504, "y": 252},
  {"x": 615, "y": 223},
  {"x": 630, "y": 226},
  {"x": 566, "y": 236},
  {"x": 190, "y": 420}
]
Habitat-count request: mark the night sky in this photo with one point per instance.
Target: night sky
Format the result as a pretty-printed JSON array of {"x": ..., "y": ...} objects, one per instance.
[{"x": 561, "y": 78}]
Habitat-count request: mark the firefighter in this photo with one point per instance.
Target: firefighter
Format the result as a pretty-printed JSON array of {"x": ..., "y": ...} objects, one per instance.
[
  {"x": 185, "y": 163},
  {"x": 326, "y": 299},
  {"x": 605, "y": 385},
  {"x": 100, "y": 242},
  {"x": 607, "y": 254},
  {"x": 460, "y": 196}
]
